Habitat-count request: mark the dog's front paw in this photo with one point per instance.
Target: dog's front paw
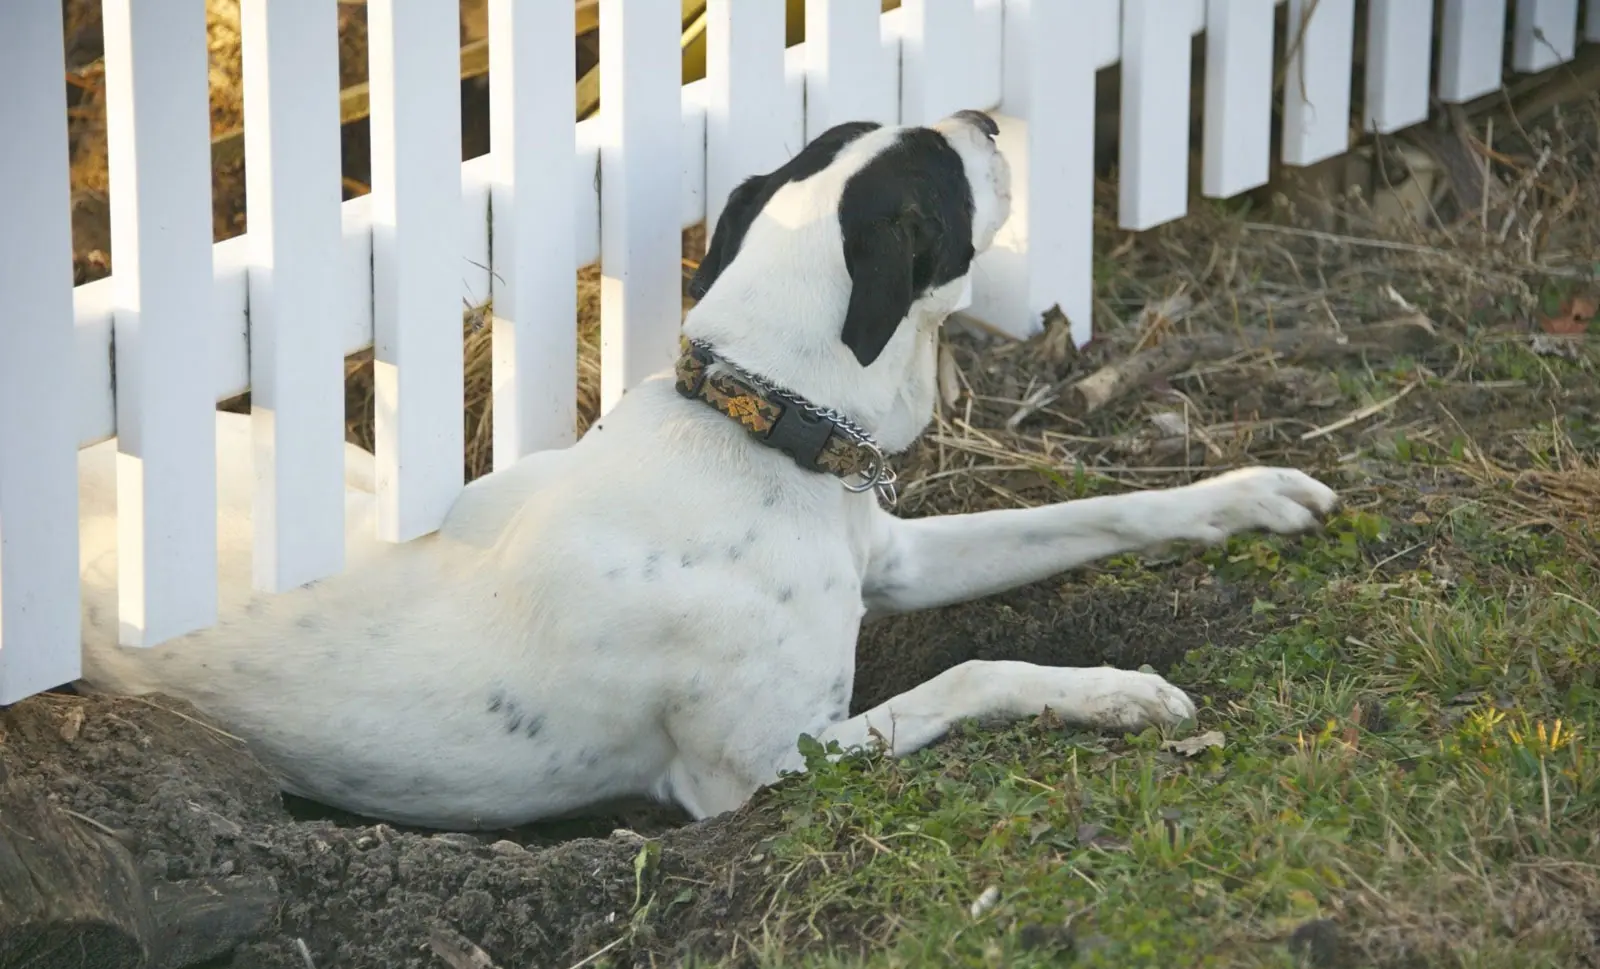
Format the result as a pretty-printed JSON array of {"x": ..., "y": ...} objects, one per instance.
[
  {"x": 1112, "y": 699},
  {"x": 1280, "y": 500}
]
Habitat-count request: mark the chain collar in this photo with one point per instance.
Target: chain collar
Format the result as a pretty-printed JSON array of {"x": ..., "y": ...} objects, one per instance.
[{"x": 817, "y": 438}]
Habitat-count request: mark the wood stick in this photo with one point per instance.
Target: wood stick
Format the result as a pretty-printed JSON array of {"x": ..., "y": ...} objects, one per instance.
[{"x": 1115, "y": 380}]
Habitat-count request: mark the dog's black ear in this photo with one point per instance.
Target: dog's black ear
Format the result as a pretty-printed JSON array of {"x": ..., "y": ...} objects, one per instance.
[
  {"x": 880, "y": 256},
  {"x": 741, "y": 209}
]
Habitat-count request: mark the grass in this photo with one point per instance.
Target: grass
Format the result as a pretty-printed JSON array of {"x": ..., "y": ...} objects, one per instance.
[{"x": 1405, "y": 778}]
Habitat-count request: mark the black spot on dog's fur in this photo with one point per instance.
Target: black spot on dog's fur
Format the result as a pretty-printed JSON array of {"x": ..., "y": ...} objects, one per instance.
[
  {"x": 515, "y": 719},
  {"x": 906, "y": 219},
  {"x": 747, "y": 200},
  {"x": 839, "y": 692},
  {"x": 308, "y": 623},
  {"x": 785, "y": 594},
  {"x": 652, "y": 565}
]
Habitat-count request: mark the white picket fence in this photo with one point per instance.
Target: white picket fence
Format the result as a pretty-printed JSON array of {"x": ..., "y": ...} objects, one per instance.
[{"x": 146, "y": 353}]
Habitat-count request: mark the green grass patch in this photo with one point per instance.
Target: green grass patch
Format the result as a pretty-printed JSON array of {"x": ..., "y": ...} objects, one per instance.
[{"x": 1405, "y": 779}]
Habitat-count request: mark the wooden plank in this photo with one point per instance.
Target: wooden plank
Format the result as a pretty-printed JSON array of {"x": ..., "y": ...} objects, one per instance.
[
  {"x": 1153, "y": 178},
  {"x": 157, "y": 121},
  {"x": 532, "y": 146},
  {"x": 640, "y": 234},
  {"x": 39, "y": 597},
  {"x": 1043, "y": 256},
  {"x": 1545, "y": 34},
  {"x": 291, "y": 85},
  {"x": 1237, "y": 135},
  {"x": 843, "y": 65},
  {"x": 937, "y": 66},
  {"x": 1471, "y": 46},
  {"x": 1399, "y": 64},
  {"x": 988, "y": 52},
  {"x": 416, "y": 204},
  {"x": 1316, "y": 97},
  {"x": 745, "y": 128}
]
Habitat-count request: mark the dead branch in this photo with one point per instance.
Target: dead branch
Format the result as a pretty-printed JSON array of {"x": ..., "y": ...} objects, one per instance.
[{"x": 1115, "y": 380}]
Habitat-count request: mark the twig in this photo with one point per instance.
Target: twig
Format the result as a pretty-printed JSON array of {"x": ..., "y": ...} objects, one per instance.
[
  {"x": 1112, "y": 381},
  {"x": 184, "y": 716},
  {"x": 1362, "y": 241},
  {"x": 597, "y": 953},
  {"x": 305, "y": 953},
  {"x": 1359, "y": 415}
]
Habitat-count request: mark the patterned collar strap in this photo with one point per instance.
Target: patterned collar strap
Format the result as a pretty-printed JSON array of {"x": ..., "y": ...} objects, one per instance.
[{"x": 815, "y": 438}]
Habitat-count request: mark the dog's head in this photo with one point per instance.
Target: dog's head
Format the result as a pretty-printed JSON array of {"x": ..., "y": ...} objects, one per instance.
[{"x": 831, "y": 274}]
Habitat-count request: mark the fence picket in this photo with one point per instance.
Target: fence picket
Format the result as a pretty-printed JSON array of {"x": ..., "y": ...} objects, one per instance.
[
  {"x": 1472, "y": 37},
  {"x": 1545, "y": 34},
  {"x": 640, "y": 227},
  {"x": 937, "y": 66},
  {"x": 1044, "y": 255},
  {"x": 1316, "y": 95},
  {"x": 1237, "y": 132},
  {"x": 1153, "y": 176},
  {"x": 159, "y": 148},
  {"x": 745, "y": 128},
  {"x": 39, "y": 610},
  {"x": 533, "y": 157},
  {"x": 291, "y": 143},
  {"x": 414, "y": 70},
  {"x": 1399, "y": 64}
]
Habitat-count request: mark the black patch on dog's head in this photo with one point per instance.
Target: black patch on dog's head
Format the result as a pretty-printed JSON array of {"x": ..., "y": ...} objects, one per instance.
[
  {"x": 747, "y": 201},
  {"x": 906, "y": 220}
]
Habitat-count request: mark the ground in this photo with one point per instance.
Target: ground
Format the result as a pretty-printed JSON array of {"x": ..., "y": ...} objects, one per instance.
[{"x": 1392, "y": 764}]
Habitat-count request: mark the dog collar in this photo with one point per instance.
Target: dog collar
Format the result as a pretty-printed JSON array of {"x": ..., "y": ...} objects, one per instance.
[{"x": 816, "y": 438}]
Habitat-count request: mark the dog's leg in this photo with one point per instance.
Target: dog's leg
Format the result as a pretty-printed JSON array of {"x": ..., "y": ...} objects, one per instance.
[
  {"x": 1097, "y": 697},
  {"x": 928, "y": 562}
]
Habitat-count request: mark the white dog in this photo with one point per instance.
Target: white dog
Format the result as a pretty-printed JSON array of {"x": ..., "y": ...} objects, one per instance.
[{"x": 665, "y": 607}]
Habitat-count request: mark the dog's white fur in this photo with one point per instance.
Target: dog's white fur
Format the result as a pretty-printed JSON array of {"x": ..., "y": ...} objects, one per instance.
[{"x": 663, "y": 608}]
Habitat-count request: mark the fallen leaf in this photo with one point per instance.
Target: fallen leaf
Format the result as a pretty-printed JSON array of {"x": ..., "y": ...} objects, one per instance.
[
  {"x": 1196, "y": 745},
  {"x": 1571, "y": 318}
]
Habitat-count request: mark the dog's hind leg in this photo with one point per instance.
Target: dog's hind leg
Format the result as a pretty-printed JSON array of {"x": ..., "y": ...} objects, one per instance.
[
  {"x": 928, "y": 562},
  {"x": 1097, "y": 697}
]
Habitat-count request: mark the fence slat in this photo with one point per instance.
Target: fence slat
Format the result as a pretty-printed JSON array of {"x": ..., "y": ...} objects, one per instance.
[
  {"x": 1591, "y": 25},
  {"x": 640, "y": 248},
  {"x": 1153, "y": 179},
  {"x": 1472, "y": 36},
  {"x": 1237, "y": 129},
  {"x": 1399, "y": 64},
  {"x": 414, "y": 70},
  {"x": 1044, "y": 255},
  {"x": 1316, "y": 95},
  {"x": 158, "y": 141},
  {"x": 533, "y": 147},
  {"x": 745, "y": 86},
  {"x": 291, "y": 145},
  {"x": 937, "y": 66},
  {"x": 1546, "y": 34},
  {"x": 39, "y": 599}
]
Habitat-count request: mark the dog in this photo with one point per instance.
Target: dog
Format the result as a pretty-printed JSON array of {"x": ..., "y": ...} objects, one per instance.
[{"x": 664, "y": 608}]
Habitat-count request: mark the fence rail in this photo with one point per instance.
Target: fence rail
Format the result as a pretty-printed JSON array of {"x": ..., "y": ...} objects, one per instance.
[{"x": 143, "y": 354}]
